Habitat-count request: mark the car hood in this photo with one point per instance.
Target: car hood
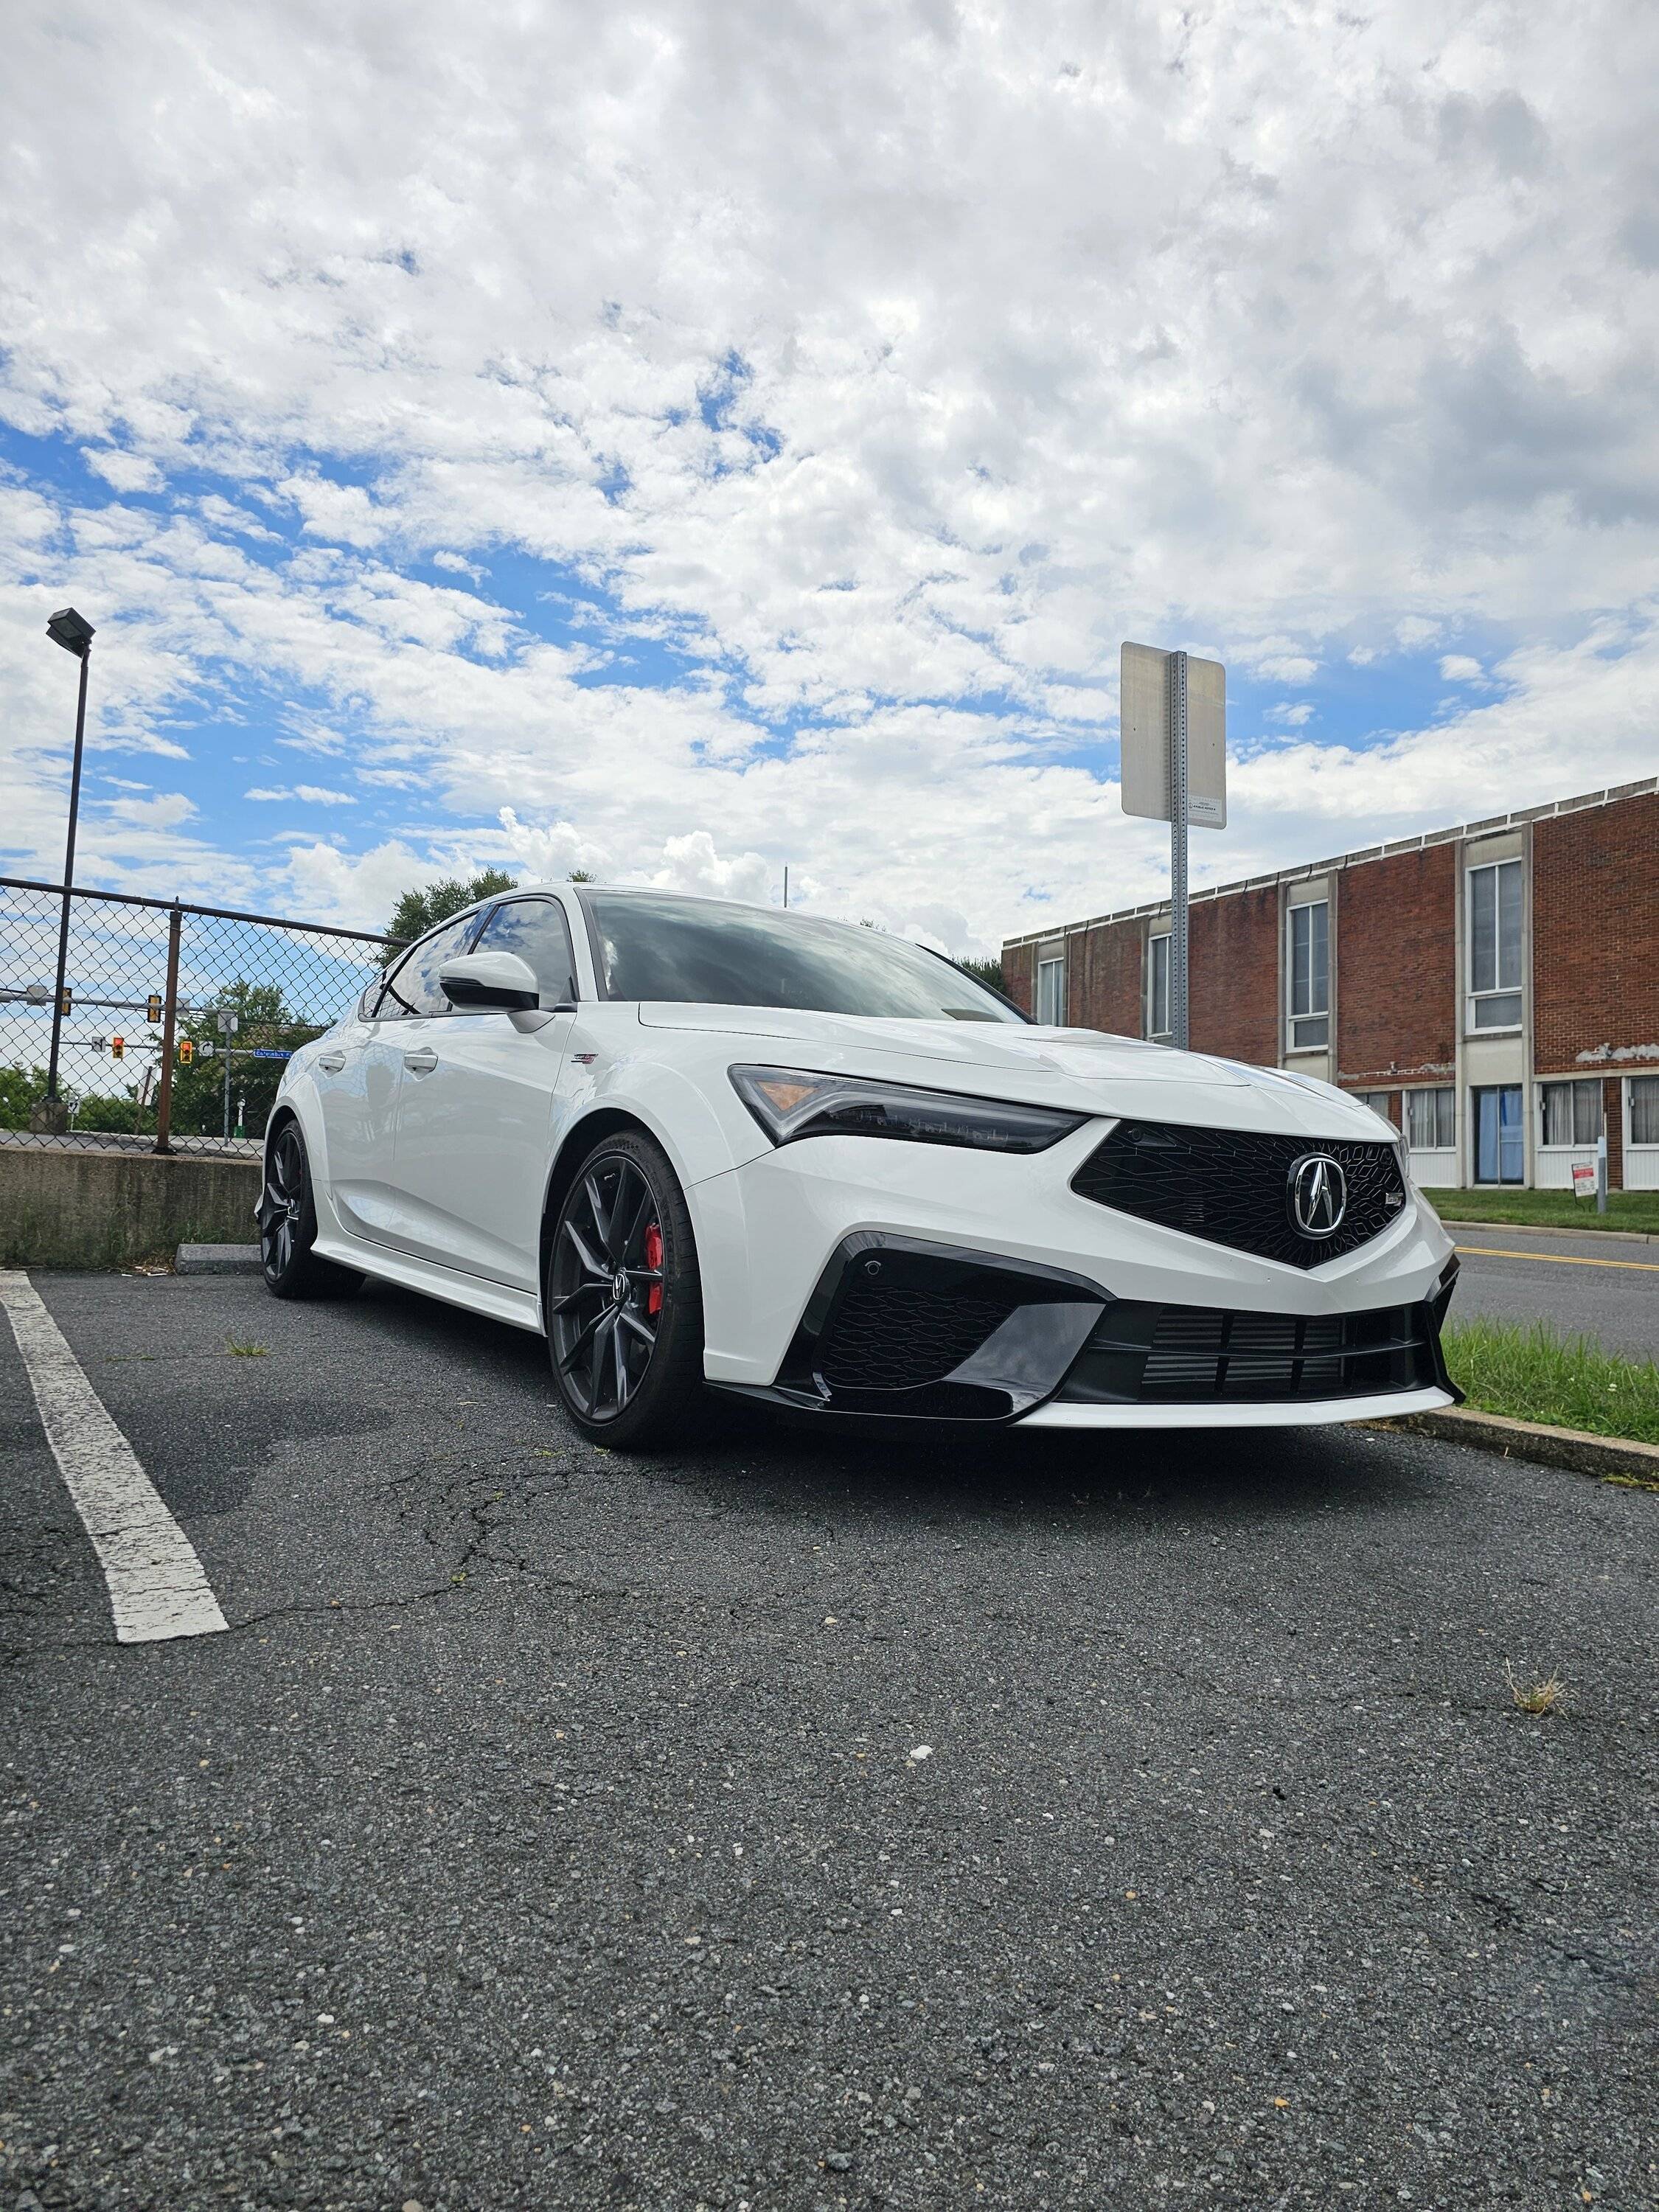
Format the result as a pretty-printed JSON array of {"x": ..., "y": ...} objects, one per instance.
[{"x": 1083, "y": 1069}]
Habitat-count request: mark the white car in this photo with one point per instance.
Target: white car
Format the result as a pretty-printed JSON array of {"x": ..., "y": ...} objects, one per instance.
[{"x": 699, "y": 1144}]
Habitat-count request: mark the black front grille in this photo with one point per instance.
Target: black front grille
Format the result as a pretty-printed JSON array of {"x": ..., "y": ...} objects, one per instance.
[
  {"x": 1148, "y": 1354},
  {"x": 885, "y": 1335},
  {"x": 1232, "y": 1186}
]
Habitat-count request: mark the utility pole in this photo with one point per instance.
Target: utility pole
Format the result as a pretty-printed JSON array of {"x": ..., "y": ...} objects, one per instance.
[
  {"x": 228, "y": 1025},
  {"x": 75, "y": 634}
]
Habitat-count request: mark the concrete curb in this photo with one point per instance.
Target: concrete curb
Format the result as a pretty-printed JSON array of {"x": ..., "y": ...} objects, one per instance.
[
  {"x": 1607, "y": 1458},
  {"x": 1553, "y": 1229},
  {"x": 216, "y": 1259}
]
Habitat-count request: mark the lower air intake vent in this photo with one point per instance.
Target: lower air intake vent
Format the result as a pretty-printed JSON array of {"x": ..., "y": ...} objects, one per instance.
[
  {"x": 1146, "y": 1354},
  {"x": 885, "y": 1335}
]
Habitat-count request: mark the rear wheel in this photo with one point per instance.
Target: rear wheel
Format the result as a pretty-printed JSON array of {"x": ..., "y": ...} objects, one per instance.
[
  {"x": 288, "y": 1225},
  {"x": 624, "y": 1298}
]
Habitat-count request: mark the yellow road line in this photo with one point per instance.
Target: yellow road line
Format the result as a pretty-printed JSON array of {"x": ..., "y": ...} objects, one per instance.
[{"x": 1557, "y": 1259}]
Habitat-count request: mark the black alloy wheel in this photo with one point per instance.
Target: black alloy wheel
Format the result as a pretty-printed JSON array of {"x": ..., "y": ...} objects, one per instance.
[
  {"x": 287, "y": 1215},
  {"x": 624, "y": 1307}
]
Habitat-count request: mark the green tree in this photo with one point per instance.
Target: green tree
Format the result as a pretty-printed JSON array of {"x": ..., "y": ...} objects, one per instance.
[
  {"x": 19, "y": 1087},
  {"x": 110, "y": 1111},
  {"x": 417, "y": 911},
  {"x": 262, "y": 1021},
  {"x": 988, "y": 972}
]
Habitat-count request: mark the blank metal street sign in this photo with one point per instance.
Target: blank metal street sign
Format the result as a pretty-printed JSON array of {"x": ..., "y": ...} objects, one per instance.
[{"x": 1145, "y": 711}]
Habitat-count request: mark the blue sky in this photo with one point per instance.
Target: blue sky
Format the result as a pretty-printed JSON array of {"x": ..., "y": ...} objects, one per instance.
[{"x": 752, "y": 447}]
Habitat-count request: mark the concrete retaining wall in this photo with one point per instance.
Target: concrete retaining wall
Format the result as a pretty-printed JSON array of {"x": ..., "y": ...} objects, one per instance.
[{"x": 75, "y": 1209}]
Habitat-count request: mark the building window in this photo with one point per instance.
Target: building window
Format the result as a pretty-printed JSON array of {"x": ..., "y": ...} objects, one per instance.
[
  {"x": 1644, "y": 1110},
  {"x": 1051, "y": 992},
  {"x": 1569, "y": 1113},
  {"x": 1432, "y": 1120},
  {"x": 1308, "y": 931},
  {"x": 1494, "y": 905},
  {"x": 1158, "y": 987},
  {"x": 1377, "y": 1100}
]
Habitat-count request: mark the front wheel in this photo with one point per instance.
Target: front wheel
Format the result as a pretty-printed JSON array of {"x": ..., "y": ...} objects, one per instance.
[
  {"x": 288, "y": 1226},
  {"x": 623, "y": 1299}
]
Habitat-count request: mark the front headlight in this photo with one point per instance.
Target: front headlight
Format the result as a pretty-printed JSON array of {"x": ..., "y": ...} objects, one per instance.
[{"x": 790, "y": 1103}]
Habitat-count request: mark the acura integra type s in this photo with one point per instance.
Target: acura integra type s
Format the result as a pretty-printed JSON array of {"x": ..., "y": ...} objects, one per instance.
[{"x": 700, "y": 1144}]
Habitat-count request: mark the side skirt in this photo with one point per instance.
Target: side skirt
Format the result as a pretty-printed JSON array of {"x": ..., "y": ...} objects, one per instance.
[{"x": 520, "y": 1309}]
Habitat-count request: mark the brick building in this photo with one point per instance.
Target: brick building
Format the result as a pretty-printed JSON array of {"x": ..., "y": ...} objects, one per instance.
[{"x": 1494, "y": 989}]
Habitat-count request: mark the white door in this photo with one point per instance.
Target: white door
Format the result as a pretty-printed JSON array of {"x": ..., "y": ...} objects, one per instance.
[
  {"x": 358, "y": 1078},
  {"x": 475, "y": 1114}
]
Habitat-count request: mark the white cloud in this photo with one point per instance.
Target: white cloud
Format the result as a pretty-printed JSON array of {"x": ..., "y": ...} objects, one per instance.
[
  {"x": 549, "y": 854},
  {"x": 126, "y": 471},
  {"x": 691, "y": 863},
  {"x": 1354, "y": 341},
  {"x": 1460, "y": 668},
  {"x": 309, "y": 795}
]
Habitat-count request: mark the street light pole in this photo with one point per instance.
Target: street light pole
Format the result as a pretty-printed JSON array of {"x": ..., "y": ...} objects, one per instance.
[{"x": 75, "y": 634}]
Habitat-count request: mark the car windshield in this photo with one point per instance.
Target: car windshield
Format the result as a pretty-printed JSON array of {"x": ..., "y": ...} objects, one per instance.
[{"x": 651, "y": 945}]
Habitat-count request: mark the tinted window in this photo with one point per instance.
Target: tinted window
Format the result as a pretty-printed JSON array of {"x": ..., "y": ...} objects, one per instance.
[
  {"x": 700, "y": 952},
  {"x": 412, "y": 987},
  {"x": 537, "y": 931}
]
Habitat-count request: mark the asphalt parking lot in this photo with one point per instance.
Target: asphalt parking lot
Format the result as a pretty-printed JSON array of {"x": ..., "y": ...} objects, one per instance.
[{"x": 804, "y": 1821}]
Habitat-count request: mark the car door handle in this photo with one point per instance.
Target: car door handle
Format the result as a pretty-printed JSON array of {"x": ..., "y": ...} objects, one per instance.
[
  {"x": 331, "y": 1062},
  {"x": 421, "y": 1062}
]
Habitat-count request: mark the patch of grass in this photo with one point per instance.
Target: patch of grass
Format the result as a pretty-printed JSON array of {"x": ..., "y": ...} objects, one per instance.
[
  {"x": 1528, "y": 1371},
  {"x": 1550, "y": 1209},
  {"x": 248, "y": 1351},
  {"x": 1547, "y": 1695}
]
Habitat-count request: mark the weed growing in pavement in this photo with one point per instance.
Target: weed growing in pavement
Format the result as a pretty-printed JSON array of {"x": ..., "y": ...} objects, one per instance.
[
  {"x": 1547, "y": 1696},
  {"x": 248, "y": 1351},
  {"x": 1528, "y": 1371}
]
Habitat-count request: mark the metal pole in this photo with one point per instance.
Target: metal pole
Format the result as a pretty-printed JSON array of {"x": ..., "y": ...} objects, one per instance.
[
  {"x": 226, "y": 1054},
  {"x": 69, "y": 879},
  {"x": 1601, "y": 1173},
  {"x": 786, "y": 886},
  {"x": 170, "y": 1019},
  {"x": 1178, "y": 851}
]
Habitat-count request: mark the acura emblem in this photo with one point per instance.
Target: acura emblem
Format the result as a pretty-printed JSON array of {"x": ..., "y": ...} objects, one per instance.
[{"x": 1318, "y": 1194}]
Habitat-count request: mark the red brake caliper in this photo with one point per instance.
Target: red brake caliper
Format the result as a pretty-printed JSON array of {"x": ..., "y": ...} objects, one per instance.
[{"x": 653, "y": 1259}]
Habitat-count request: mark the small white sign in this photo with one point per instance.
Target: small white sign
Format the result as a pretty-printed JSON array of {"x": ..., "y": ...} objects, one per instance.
[{"x": 1583, "y": 1178}]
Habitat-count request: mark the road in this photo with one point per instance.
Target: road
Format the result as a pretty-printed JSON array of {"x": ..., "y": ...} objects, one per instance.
[
  {"x": 1600, "y": 1286},
  {"x": 800, "y": 1821}
]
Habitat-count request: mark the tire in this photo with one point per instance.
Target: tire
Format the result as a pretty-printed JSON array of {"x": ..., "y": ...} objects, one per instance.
[
  {"x": 623, "y": 1299},
  {"x": 288, "y": 1226}
]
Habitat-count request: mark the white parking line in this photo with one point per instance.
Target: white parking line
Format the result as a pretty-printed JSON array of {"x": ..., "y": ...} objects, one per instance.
[{"x": 157, "y": 1586}]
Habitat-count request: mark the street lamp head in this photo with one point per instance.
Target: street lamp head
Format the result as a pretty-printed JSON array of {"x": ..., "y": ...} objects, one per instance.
[{"x": 70, "y": 631}]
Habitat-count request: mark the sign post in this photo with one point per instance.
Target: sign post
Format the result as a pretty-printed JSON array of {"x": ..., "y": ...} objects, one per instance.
[
  {"x": 1173, "y": 723},
  {"x": 228, "y": 1025}
]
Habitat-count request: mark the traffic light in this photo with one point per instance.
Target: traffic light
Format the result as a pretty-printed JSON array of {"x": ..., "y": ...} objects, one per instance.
[
  {"x": 186, "y": 1052},
  {"x": 118, "y": 1048},
  {"x": 153, "y": 1007},
  {"x": 67, "y": 1004}
]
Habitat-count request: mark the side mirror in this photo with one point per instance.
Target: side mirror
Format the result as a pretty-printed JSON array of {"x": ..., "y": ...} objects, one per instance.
[{"x": 491, "y": 979}]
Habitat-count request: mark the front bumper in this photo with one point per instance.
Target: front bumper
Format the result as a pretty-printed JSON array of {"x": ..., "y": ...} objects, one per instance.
[{"x": 777, "y": 1237}]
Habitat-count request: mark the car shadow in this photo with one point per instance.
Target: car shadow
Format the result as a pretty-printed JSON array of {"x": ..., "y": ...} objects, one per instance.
[{"x": 904, "y": 1469}]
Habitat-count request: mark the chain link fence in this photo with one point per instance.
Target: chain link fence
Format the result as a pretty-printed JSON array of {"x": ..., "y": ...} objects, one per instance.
[{"x": 177, "y": 1020}]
